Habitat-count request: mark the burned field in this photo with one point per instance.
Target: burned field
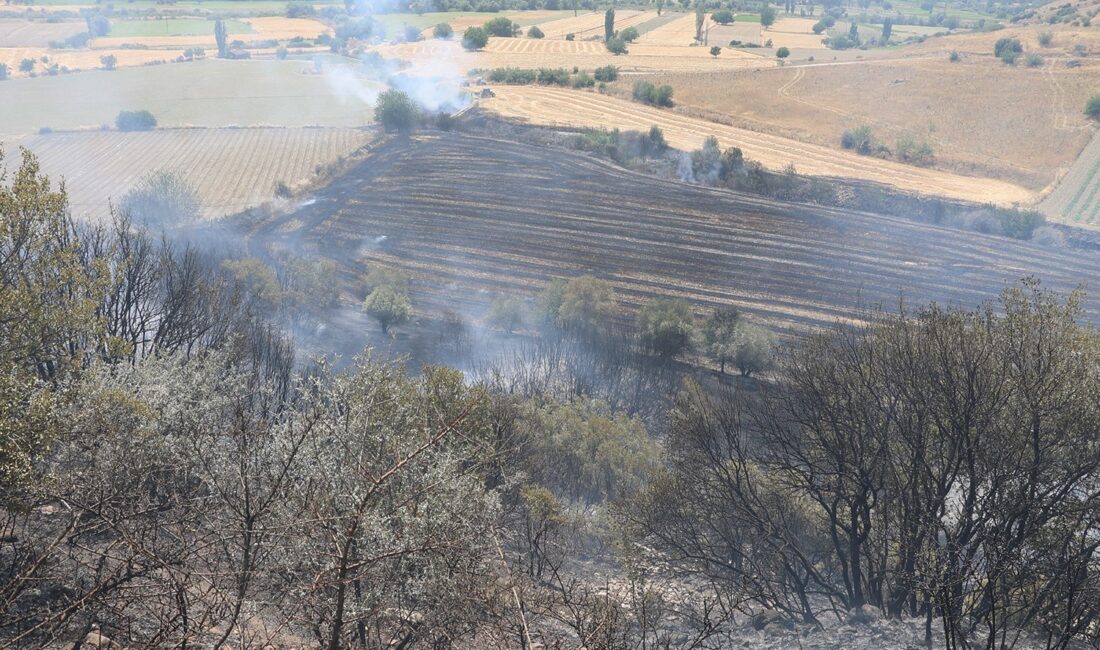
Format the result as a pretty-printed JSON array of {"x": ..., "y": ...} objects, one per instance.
[{"x": 470, "y": 218}]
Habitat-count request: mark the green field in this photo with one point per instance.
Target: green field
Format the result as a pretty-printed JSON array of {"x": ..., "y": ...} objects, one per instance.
[
  {"x": 205, "y": 93},
  {"x": 174, "y": 27}
]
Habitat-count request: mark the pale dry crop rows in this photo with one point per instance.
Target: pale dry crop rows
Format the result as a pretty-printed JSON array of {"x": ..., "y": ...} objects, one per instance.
[
  {"x": 549, "y": 106},
  {"x": 232, "y": 169}
]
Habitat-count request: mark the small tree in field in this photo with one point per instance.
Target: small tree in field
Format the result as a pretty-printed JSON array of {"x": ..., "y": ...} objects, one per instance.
[
  {"x": 475, "y": 38},
  {"x": 135, "y": 121},
  {"x": 443, "y": 30},
  {"x": 755, "y": 348},
  {"x": 109, "y": 61},
  {"x": 535, "y": 32},
  {"x": 587, "y": 305},
  {"x": 609, "y": 24},
  {"x": 388, "y": 305},
  {"x": 782, "y": 52},
  {"x": 616, "y": 45},
  {"x": 506, "y": 312},
  {"x": 630, "y": 34},
  {"x": 4, "y": 72},
  {"x": 720, "y": 336},
  {"x": 395, "y": 111},
  {"x": 666, "y": 327},
  {"x": 221, "y": 37},
  {"x": 767, "y": 16},
  {"x": 715, "y": 51},
  {"x": 1092, "y": 107},
  {"x": 26, "y": 65},
  {"x": 722, "y": 17}
]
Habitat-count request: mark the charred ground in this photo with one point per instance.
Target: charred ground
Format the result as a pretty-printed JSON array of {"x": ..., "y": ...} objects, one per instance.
[{"x": 471, "y": 217}]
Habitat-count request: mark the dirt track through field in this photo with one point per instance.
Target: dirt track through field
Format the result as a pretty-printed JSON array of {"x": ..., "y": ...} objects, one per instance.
[
  {"x": 472, "y": 218},
  {"x": 555, "y": 107}
]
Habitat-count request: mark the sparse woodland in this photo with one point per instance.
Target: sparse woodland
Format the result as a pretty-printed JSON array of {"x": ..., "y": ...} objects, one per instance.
[{"x": 174, "y": 476}]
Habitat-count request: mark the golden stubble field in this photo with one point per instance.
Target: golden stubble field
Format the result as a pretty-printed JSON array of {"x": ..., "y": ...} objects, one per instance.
[
  {"x": 231, "y": 169},
  {"x": 559, "y": 107},
  {"x": 980, "y": 116}
]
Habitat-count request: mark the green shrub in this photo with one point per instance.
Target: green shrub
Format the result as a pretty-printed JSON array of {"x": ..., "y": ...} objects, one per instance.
[
  {"x": 1010, "y": 57},
  {"x": 715, "y": 51},
  {"x": 1046, "y": 38},
  {"x": 1034, "y": 60},
  {"x": 583, "y": 80},
  {"x": 475, "y": 38},
  {"x": 553, "y": 76},
  {"x": 860, "y": 140},
  {"x": 535, "y": 32},
  {"x": 443, "y": 30},
  {"x": 913, "y": 152},
  {"x": 1092, "y": 107},
  {"x": 722, "y": 17},
  {"x": 501, "y": 26},
  {"x": 412, "y": 33},
  {"x": 570, "y": 37},
  {"x": 630, "y": 34},
  {"x": 135, "y": 121},
  {"x": 783, "y": 52},
  {"x": 649, "y": 93},
  {"x": 606, "y": 73},
  {"x": 953, "y": 57},
  {"x": 616, "y": 45},
  {"x": 395, "y": 111},
  {"x": 1007, "y": 45},
  {"x": 514, "y": 76}
]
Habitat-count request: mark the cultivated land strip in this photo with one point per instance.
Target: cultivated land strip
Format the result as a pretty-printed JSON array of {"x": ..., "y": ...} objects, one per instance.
[
  {"x": 1076, "y": 199},
  {"x": 473, "y": 217},
  {"x": 553, "y": 107},
  {"x": 231, "y": 169}
]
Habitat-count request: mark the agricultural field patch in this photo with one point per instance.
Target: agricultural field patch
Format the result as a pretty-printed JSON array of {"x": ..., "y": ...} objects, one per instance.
[
  {"x": 1076, "y": 198},
  {"x": 35, "y": 33},
  {"x": 432, "y": 54},
  {"x": 970, "y": 112},
  {"x": 231, "y": 169},
  {"x": 76, "y": 60},
  {"x": 173, "y": 27},
  {"x": 721, "y": 35},
  {"x": 209, "y": 93},
  {"x": 590, "y": 24},
  {"x": 471, "y": 218},
  {"x": 548, "y": 106}
]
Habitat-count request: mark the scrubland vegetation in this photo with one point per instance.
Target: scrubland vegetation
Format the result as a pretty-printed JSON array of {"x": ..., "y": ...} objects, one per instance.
[
  {"x": 783, "y": 363},
  {"x": 171, "y": 472}
]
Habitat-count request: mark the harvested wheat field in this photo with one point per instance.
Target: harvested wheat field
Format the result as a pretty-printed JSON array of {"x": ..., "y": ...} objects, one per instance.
[
  {"x": 75, "y": 60},
  {"x": 677, "y": 33},
  {"x": 540, "y": 105},
  {"x": 1076, "y": 199},
  {"x": 548, "y": 53},
  {"x": 37, "y": 33},
  {"x": 470, "y": 218},
  {"x": 795, "y": 33},
  {"x": 969, "y": 111},
  {"x": 590, "y": 24},
  {"x": 232, "y": 169}
]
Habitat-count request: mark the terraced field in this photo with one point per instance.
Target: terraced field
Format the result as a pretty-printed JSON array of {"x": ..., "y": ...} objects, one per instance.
[
  {"x": 232, "y": 169},
  {"x": 549, "y": 106},
  {"x": 1076, "y": 199},
  {"x": 472, "y": 217}
]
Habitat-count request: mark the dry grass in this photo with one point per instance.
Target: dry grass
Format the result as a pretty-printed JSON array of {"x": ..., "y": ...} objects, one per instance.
[
  {"x": 590, "y": 25},
  {"x": 80, "y": 59},
  {"x": 980, "y": 116},
  {"x": 586, "y": 55},
  {"x": 232, "y": 169},
  {"x": 28, "y": 33},
  {"x": 542, "y": 105}
]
